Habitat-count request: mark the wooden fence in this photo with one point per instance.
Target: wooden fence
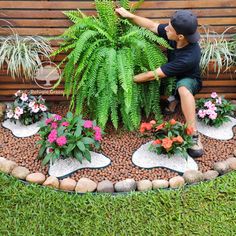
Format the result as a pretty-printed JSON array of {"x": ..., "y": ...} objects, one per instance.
[{"x": 46, "y": 18}]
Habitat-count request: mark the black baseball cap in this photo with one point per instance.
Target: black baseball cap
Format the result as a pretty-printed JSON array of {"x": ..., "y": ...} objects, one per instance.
[{"x": 185, "y": 22}]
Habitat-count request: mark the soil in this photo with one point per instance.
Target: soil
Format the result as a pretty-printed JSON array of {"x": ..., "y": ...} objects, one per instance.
[{"x": 118, "y": 145}]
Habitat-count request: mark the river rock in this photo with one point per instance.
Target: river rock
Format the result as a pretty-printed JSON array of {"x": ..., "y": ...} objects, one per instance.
[
  {"x": 160, "y": 183},
  {"x": 176, "y": 182},
  {"x": 20, "y": 172},
  {"x": 105, "y": 186},
  {"x": 85, "y": 185},
  {"x": 144, "y": 185},
  {"x": 210, "y": 174},
  {"x": 192, "y": 176},
  {"x": 6, "y": 166},
  {"x": 52, "y": 182},
  {"x": 37, "y": 178},
  {"x": 67, "y": 184},
  {"x": 126, "y": 185},
  {"x": 221, "y": 166}
]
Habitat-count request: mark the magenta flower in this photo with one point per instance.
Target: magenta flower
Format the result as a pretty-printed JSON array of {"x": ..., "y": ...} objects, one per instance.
[
  {"x": 65, "y": 123},
  {"x": 207, "y": 104},
  {"x": 88, "y": 124},
  {"x": 201, "y": 113},
  {"x": 52, "y": 136},
  {"x": 214, "y": 95},
  {"x": 54, "y": 125},
  {"x": 57, "y": 117},
  {"x": 61, "y": 141},
  {"x": 48, "y": 121},
  {"x": 97, "y": 136},
  {"x": 97, "y": 129}
]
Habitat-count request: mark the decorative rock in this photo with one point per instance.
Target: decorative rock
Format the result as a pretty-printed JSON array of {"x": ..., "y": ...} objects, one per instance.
[
  {"x": 126, "y": 185},
  {"x": 6, "y": 166},
  {"x": 52, "y": 181},
  {"x": 85, "y": 185},
  {"x": 221, "y": 167},
  {"x": 37, "y": 178},
  {"x": 67, "y": 184},
  {"x": 176, "y": 182},
  {"x": 144, "y": 185},
  {"x": 144, "y": 158},
  {"x": 160, "y": 183},
  {"x": 20, "y": 172},
  {"x": 192, "y": 176},
  {"x": 232, "y": 163},
  {"x": 105, "y": 186},
  {"x": 210, "y": 174}
]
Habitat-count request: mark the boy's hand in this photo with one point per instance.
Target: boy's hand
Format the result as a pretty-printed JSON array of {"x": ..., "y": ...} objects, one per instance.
[{"x": 124, "y": 13}]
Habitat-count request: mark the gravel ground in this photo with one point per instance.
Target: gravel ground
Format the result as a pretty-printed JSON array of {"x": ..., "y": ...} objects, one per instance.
[{"x": 118, "y": 146}]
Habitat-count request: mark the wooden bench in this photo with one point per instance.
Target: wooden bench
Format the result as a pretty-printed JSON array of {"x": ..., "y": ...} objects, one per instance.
[{"x": 45, "y": 18}]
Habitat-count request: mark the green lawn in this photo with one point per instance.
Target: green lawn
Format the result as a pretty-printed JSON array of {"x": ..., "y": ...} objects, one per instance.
[{"x": 204, "y": 209}]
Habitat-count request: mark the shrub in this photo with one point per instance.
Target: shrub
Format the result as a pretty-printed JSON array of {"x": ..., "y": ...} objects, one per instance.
[
  {"x": 68, "y": 137},
  {"x": 26, "y": 108},
  {"x": 214, "y": 111},
  {"x": 170, "y": 138},
  {"x": 105, "y": 52}
]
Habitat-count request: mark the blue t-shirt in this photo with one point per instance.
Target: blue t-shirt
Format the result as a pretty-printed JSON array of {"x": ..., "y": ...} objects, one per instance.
[{"x": 182, "y": 62}]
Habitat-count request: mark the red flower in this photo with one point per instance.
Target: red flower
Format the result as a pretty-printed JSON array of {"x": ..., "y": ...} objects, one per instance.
[
  {"x": 172, "y": 121},
  {"x": 189, "y": 130},
  {"x": 152, "y": 122},
  {"x": 161, "y": 126},
  {"x": 157, "y": 141},
  {"x": 144, "y": 127},
  {"x": 167, "y": 143},
  {"x": 178, "y": 139}
]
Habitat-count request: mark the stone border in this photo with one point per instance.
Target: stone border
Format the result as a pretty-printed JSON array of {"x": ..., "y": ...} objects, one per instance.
[{"x": 85, "y": 185}]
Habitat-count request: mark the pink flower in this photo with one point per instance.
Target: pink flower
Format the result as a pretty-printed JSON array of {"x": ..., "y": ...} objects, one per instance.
[
  {"x": 61, "y": 141},
  {"x": 213, "y": 115},
  {"x": 54, "y": 125},
  {"x": 97, "y": 136},
  {"x": 10, "y": 114},
  {"x": 18, "y": 93},
  {"x": 88, "y": 124},
  {"x": 201, "y": 113},
  {"x": 24, "y": 97},
  {"x": 218, "y": 101},
  {"x": 97, "y": 129},
  {"x": 35, "y": 108},
  {"x": 43, "y": 107},
  {"x": 207, "y": 104},
  {"x": 214, "y": 95},
  {"x": 31, "y": 104},
  {"x": 52, "y": 136},
  {"x": 18, "y": 111},
  {"x": 16, "y": 117},
  {"x": 48, "y": 121},
  {"x": 65, "y": 123},
  {"x": 57, "y": 117},
  {"x": 212, "y": 107}
]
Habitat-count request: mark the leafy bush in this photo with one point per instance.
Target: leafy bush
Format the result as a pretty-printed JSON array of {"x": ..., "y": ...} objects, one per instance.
[
  {"x": 214, "y": 111},
  {"x": 105, "y": 52},
  {"x": 170, "y": 138},
  {"x": 26, "y": 108},
  {"x": 67, "y": 137}
]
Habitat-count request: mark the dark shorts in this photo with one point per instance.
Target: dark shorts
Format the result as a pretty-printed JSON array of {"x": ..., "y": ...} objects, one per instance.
[{"x": 193, "y": 85}]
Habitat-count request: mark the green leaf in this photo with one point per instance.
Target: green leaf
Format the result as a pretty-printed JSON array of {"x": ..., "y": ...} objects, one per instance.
[
  {"x": 41, "y": 151},
  {"x": 81, "y": 146},
  {"x": 87, "y": 155},
  {"x": 78, "y": 131},
  {"x": 78, "y": 155},
  {"x": 69, "y": 116},
  {"x": 47, "y": 158},
  {"x": 87, "y": 140}
]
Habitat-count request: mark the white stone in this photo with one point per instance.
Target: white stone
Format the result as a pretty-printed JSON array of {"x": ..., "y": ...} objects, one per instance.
[
  {"x": 224, "y": 132},
  {"x": 64, "y": 167},
  {"x": 21, "y": 131},
  {"x": 147, "y": 159}
]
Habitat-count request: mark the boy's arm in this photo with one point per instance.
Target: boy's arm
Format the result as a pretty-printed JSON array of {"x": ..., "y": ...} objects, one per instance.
[
  {"x": 138, "y": 20},
  {"x": 148, "y": 76}
]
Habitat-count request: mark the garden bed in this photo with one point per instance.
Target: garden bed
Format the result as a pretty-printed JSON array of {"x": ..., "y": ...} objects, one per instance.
[{"x": 118, "y": 146}]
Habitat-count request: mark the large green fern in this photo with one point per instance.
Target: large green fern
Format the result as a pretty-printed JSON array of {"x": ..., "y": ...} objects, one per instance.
[{"x": 105, "y": 54}]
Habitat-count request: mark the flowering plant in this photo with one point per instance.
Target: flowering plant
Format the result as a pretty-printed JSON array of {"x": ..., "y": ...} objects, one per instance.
[
  {"x": 170, "y": 137},
  {"x": 68, "y": 137},
  {"x": 214, "y": 111},
  {"x": 26, "y": 108}
]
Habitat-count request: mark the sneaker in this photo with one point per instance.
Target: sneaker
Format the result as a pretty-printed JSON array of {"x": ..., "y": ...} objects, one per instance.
[
  {"x": 197, "y": 149},
  {"x": 172, "y": 105}
]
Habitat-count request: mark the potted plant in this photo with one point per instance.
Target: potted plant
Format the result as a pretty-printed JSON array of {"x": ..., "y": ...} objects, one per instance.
[
  {"x": 214, "y": 111},
  {"x": 67, "y": 137},
  {"x": 105, "y": 52},
  {"x": 22, "y": 56},
  {"x": 26, "y": 108},
  {"x": 216, "y": 52},
  {"x": 170, "y": 138}
]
